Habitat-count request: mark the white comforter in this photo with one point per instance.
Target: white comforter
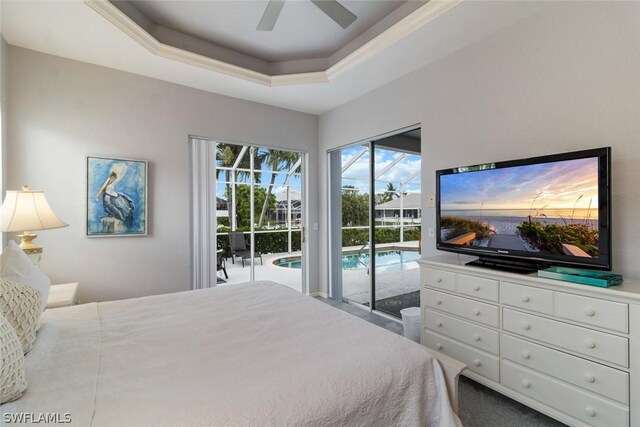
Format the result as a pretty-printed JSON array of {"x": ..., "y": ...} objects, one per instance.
[{"x": 241, "y": 355}]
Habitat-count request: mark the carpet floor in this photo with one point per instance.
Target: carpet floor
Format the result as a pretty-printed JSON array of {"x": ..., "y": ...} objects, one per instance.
[{"x": 479, "y": 406}]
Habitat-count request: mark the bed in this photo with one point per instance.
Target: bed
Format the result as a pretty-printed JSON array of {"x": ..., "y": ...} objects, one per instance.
[{"x": 242, "y": 355}]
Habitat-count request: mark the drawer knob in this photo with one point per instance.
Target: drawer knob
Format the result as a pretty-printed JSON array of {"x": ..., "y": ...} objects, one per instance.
[
  {"x": 526, "y": 355},
  {"x": 476, "y": 337},
  {"x": 590, "y": 411},
  {"x": 590, "y": 378},
  {"x": 438, "y": 323},
  {"x": 525, "y": 298},
  {"x": 439, "y": 280},
  {"x": 477, "y": 362},
  {"x": 476, "y": 311},
  {"x": 439, "y": 346},
  {"x": 590, "y": 343},
  {"x": 526, "y": 326},
  {"x": 526, "y": 384},
  {"x": 590, "y": 312},
  {"x": 439, "y": 301},
  {"x": 477, "y": 288}
]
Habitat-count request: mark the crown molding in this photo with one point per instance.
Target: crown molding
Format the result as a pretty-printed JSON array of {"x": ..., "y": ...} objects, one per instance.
[
  {"x": 146, "y": 40},
  {"x": 395, "y": 33}
]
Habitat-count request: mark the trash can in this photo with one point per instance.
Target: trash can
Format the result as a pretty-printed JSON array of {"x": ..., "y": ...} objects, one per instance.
[{"x": 411, "y": 323}]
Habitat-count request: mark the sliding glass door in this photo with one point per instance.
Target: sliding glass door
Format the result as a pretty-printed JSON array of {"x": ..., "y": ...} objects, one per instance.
[
  {"x": 278, "y": 224},
  {"x": 397, "y": 217},
  {"x": 355, "y": 261},
  {"x": 256, "y": 213},
  {"x": 376, "y": 184}
]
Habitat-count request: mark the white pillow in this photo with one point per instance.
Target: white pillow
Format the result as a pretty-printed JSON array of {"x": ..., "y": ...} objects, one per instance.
[
  {"x": 12, "y": 377},
  {"x": 16, "y": 266},
  {"x": 20, "y": 305}
]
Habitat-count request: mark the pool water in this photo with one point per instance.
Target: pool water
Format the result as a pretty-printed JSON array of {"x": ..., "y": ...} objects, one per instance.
[{"x": 387, "y": 261}]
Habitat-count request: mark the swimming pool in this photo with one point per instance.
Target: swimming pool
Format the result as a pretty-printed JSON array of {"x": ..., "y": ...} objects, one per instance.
[{"x": 387, "y": 261}]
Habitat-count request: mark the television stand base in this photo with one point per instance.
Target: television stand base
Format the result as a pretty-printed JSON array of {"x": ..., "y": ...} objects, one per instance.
[{"x": 511, "y": 266}]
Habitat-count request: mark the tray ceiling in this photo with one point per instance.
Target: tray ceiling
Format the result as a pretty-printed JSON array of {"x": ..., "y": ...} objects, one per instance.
[
  {"x": 304, "y": 39},
  {"x": 78, "y": 30},
  {"x": 301, "y": 32}
]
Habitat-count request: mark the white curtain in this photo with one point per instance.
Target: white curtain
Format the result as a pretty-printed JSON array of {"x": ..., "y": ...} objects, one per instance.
[{"x": 203, "y": 232}]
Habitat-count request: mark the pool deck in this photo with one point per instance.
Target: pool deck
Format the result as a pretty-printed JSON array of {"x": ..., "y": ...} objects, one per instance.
[
  {"x": 355, "y": 284},
  {"x": 291, "y": 277}
]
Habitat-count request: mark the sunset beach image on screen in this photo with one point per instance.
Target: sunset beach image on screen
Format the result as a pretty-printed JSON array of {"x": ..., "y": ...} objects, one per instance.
[{"x": 545, "y": 207}]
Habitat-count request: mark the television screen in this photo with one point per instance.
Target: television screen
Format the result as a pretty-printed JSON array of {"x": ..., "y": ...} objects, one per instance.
[{"x": 546, "y": 208}]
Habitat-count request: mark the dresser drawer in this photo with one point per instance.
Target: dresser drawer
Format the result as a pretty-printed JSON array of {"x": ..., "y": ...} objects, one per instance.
[
  {"x": 469, "y": 333},
  {"x": 591, "y": 376},
  {"x": 463, "y": 307},
  {"x": 478, "y": 361},
  {"x": 592, "y": 311},
  {"x": 585, "y": 341},
  {"x": 477, "y": 287},
  {"x": 534, "y": 299},
  {"x": 438, "y": 279},
  {"x": 579, "y": 404}
]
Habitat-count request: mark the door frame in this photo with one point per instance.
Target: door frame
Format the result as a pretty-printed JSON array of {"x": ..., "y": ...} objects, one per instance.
[
  {"x": 334, "y": 246},
  {"x": 203, "y": 219}
]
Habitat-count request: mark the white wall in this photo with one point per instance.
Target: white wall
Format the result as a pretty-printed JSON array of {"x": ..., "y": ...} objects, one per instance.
[
  {"x": 4, "y": 84},
  {"x": 61, "y": 111},
  {"x": 565, "y": 79}
]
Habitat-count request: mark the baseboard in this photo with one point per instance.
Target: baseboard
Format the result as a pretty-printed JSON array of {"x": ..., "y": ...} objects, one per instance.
[{"x": 319, "y": 294}]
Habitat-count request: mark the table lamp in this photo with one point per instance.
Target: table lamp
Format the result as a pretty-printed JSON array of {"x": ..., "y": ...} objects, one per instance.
[{"x": 24, "y": 210}]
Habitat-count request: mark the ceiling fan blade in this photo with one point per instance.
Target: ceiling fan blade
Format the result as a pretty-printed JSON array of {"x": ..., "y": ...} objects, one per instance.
[
  {"x": 336, "y": 11},
  {"x": 270, "y": 15}
]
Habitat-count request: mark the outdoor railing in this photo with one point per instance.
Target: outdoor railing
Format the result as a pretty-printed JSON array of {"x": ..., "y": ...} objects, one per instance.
[
  {"x": 276, "y": 240},
  {"x": 359, "y": 235},
  {"x": 266, "y": 241}
]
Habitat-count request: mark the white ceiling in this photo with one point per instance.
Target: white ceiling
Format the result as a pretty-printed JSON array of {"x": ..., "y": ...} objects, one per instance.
[
  {"x": 302, "y": 31},
  {"x": 72, "y": 29}
]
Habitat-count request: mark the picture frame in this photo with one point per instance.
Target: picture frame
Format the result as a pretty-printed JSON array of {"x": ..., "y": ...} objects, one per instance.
[{"x": 116, "y": 197}]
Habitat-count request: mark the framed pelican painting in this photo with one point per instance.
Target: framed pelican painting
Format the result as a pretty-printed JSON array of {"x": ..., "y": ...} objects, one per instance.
[{"x": 116, "y": 197}]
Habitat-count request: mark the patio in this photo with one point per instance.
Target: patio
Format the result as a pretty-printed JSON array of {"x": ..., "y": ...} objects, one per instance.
[
  {"x": 291, "y": 277},
  {"x": 259, "y": 193},
  {"x": 356, "y": 284}
]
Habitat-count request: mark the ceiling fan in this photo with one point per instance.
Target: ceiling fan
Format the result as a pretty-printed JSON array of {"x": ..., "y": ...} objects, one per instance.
[{"x": 334, "y": 10}]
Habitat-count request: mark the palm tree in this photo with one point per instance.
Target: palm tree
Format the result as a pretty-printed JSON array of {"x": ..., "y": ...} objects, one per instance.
[
  {"x": 277, "y": 161},
  {"x": 390, "y": 193},
  {"x": 226, "y": 155}
]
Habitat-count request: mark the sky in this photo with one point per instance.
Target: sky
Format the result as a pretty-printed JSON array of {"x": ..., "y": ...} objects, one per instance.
[
  {"x": 357, "y": 174},
  {"x": 265, "y": 180},
  {"x": 556, "y": 185}
]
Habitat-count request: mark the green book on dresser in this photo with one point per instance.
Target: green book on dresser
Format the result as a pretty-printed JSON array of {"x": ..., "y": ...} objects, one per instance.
[{"x": 602, "y": 279}]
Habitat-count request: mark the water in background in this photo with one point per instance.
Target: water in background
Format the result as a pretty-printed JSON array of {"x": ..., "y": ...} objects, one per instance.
[
  {"x": 505, "y": 221},
  {"x": 387, "y": 261}
]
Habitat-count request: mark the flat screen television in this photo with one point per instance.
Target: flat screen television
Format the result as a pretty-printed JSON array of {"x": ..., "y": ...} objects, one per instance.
[{"x": 528, "y": 214}]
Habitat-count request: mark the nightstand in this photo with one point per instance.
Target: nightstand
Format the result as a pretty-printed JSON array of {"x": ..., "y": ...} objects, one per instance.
[{"x": 62, "y": 295}]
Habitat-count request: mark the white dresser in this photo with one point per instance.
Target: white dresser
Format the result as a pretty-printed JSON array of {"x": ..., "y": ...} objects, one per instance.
[{"x": 570, "y": 351}]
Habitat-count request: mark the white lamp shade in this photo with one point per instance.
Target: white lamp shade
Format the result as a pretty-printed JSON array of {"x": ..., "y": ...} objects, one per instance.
[{"x": 27, "y": 210}]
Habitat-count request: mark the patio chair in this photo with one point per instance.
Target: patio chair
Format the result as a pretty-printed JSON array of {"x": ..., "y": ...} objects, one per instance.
[
  {"x": 220, "y": 263},
  {"x": 239, "y": 247}
]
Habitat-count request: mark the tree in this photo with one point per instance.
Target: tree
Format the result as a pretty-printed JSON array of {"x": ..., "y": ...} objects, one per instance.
[
  {"x": 389, "y": 194},
  {"x": 355, "y": 207},
  {"x": 277, "y": 161},
  {"x": 226, "y": 156},
  {"x": 243, "y": 203}
]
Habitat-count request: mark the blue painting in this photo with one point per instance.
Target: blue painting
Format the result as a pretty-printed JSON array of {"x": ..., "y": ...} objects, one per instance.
[{"x": 116, "y": 197}]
